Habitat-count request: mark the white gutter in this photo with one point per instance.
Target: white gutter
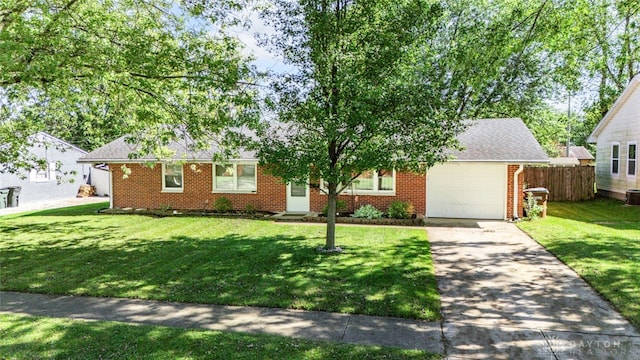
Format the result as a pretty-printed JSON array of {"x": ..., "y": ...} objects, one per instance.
[
  {"x": 516, "y": 192},
  {"x": 110, "y": 188},
  {"x": 426, "y": 194}
]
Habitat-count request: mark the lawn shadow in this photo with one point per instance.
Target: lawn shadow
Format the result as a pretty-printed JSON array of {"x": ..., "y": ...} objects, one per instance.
[
  {"x": 35, "y": 337},
  {"x": 283, "y": 271}
]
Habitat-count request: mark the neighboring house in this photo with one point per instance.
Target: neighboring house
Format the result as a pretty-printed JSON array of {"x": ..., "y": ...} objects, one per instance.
[
  {"x": 59, "y": 178},
  {"x": 578, "y": 156},
  {"x": 100, "y": 179},
  {"x": 483, "y": 181},
  {"x": 616, "y": 138}
]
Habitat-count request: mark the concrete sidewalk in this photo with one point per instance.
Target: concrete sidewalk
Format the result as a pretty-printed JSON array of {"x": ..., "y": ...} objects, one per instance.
[
  {"x": 315, "y": 325},
  {"x": 505, "y": 297}
]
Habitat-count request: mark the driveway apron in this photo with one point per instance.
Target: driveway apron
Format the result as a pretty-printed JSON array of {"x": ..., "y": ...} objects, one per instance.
[{"x": 505, "y": 297}]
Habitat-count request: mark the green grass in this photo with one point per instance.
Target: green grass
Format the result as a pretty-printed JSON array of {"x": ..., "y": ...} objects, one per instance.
[
  {"x": 600, "y": 240},
  {"x": 24, "y": 337},
  {"x": 383, "y": 271}
]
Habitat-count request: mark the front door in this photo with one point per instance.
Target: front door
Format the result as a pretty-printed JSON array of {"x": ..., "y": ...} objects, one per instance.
[{"x": 297, "y": 197}]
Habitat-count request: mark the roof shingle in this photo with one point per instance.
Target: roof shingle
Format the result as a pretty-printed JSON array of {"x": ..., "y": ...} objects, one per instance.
[
  {"x": 494, "y": 140},
  {"x": 500, "y": 140}
]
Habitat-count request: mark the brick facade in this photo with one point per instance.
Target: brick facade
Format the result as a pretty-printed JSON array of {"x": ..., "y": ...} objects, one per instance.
[
  {"x": 143, "y": 189},
  {"x": 410, "y": 187}
]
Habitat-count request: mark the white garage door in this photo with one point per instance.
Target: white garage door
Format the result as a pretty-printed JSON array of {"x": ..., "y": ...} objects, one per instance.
[{"x": 467, "y": 190}]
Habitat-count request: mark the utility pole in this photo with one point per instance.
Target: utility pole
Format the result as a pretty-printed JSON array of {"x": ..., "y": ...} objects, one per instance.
[{"x": 568, "y": 128}]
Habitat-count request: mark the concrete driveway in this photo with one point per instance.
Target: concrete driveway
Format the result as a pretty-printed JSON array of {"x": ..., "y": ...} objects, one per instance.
[
  {"x": 53, "y": 204},
  {"x": 505, "y": 297}
]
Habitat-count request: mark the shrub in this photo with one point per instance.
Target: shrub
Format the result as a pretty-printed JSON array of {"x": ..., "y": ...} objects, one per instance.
[
  {"x": 532, "y": 208},
  {"x": 400, "y": 210},
  {"x": 223, "y": 205},
  {"x": 367, "y": 212},
  {"x": 341, "y": 206},
  {"x": 250, "y": 209}
]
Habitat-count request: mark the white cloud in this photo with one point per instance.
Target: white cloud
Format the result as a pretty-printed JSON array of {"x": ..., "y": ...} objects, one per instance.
[{"x": 264, "y": 59}]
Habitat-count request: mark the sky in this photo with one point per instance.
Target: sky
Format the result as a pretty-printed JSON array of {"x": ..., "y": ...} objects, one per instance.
[{"x": 264, "y": 60}]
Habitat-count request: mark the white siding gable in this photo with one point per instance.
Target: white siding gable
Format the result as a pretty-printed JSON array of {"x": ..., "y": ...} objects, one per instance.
[{"x": 621, "y": 125}]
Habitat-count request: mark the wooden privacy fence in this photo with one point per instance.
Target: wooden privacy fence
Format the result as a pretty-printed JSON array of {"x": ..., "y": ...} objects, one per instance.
[{"x": 564, "y": 183}]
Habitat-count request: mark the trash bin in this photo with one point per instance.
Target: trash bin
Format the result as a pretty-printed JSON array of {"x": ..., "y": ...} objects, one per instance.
[
  {"x": 4, "y": 193},
  {"x": 14, "y": 196},
  {"x": 541, "y": 195}
]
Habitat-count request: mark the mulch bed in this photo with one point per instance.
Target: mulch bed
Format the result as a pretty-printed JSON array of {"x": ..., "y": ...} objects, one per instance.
[{"x": 166, "y": 213}]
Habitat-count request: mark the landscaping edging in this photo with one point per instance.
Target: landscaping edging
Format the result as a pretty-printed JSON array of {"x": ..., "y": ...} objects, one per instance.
[
  {"x": 352, "y": 220},
  {"x": 183, "y": 213},
  {"x": 259, "y": 216}
]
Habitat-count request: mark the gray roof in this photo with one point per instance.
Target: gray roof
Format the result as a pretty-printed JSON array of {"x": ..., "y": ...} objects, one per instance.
[
  {"x": 578, "y": 152},
  {"x": 118, "y": 151},
  {"x": 499, "y": 140}
]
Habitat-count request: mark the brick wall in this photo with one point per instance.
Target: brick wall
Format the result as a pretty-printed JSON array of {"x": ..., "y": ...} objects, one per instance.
[
  {"x": 143, "y": 189},
  {"x": 511, "y": 170},
  {"x": 410, "y": 187}
]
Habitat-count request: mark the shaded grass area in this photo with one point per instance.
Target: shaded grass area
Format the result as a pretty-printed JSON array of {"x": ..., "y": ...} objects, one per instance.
[
  {"x": 383, "y": 271},
  {"x": 600, "y": 240},
  {"x": 24, "y": 337}
]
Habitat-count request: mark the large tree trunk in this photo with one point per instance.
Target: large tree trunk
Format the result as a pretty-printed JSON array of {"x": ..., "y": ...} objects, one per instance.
[{"x": 331, "y": 217}]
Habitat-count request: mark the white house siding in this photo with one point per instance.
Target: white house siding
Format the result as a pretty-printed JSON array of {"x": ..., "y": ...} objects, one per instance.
[
  {"x": 60, "y": 186},
  {"x": 623, "y": 128},
  {"x": 100, "y": 180}
]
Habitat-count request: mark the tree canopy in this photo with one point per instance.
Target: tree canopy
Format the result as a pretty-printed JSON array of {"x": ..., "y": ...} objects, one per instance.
[
  {"x": 384, "y": 84},
  {"x": 90, "y": 71}
]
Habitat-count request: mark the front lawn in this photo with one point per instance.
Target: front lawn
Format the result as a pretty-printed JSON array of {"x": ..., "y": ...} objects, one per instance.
[
  {"x": 25, "y": 337},
  {"x": 383, "y": 271},
  {"x": 600, "y": 240}
]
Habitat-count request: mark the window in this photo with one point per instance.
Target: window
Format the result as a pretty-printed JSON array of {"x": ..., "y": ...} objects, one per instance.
[
  {"x": 172, "y": 178},
  {"x": 381, "y": 182},
  {"x": 385, "y": 180},
  {"x": 631, "y": 159},
  {"x": 615, "y": 158},
  {"x": 44, "y": 173},
  {"x": 234, "y": 177},
  {"x": 375, "y": 181},
  {"x": 364, "y": 182}
]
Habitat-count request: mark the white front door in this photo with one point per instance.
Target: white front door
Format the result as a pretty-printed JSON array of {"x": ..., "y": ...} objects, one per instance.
[{"x": 297, "y": 197}]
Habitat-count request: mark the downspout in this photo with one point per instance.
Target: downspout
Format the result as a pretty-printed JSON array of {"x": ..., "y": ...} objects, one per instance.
[
  {"x": 516, "y": 192},
  {"x": 110, "y": 188},
  {"x": 426, "y": 194}
]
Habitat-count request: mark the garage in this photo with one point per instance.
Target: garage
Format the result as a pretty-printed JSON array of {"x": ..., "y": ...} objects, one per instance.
[{"x": 467, "y": 190}]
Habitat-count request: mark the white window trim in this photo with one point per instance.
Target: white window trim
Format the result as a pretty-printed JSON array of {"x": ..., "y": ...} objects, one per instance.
[
  {"x": 235, "y": 178},
  {"x": 612, "y": 158},
  {"x": 635, "y": 160},
  {"x": 166, "y": 189},
  {"x": 351, "y": 191},
  {"x": 50, "y": 171}
]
